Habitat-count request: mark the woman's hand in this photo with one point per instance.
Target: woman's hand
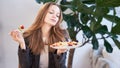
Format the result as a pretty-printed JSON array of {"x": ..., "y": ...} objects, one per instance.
[
  {"x": 60, "y": 51},
  {"x": 17, "y": 36}
]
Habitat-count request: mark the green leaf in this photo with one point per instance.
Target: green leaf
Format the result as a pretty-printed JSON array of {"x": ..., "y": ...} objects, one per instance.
[
  {"x": 95, "y": 24},
  {"x": 65, "y": 2},
  {"x": 44, "y": 1},
  {"x": 95, "y": 43},
  {"x": 84, "y": 9},
  {"x": 116, "y": 29},
  {"x": 84, "y": 18},
  {"x": 108, "y": 3},
  {"x": 77, "y": 5},
  {"x": 102, "y": 29},
  {"x": 87, "y": 31},
  {"x": 67, "y": 18},
  {"x": 116, "y": 42},
  {"x": 100, "y": 11},
  {"x": 72, "y": 33},
  {"x": 72, "y": 20},
  {"x": 112, "y": 18},
  {"x": 68, "y": 6},
  {"x": 63, "y": 8},
  {"x": 88, "y": 1},
  {"x": 38, "y": 1},
  {"x": 108, "y": 46},
  {"x": 114, "y": 36},
  {"x": 92, "y": 7}
]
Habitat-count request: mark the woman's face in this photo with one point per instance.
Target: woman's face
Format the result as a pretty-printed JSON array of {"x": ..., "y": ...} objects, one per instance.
[{"x": 52, "y": 16}]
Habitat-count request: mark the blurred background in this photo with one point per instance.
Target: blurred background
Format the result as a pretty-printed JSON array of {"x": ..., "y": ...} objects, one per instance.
[
  {"x": 16, "y": 12},
  {"x": 12, "y": 14}
]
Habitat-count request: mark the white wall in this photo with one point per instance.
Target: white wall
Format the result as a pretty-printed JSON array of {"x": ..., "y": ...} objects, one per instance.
[{"x": 12, "y": 14}]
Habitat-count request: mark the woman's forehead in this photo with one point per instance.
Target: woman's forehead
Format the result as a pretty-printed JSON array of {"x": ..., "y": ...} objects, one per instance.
[{"x": 54, "y": 8}]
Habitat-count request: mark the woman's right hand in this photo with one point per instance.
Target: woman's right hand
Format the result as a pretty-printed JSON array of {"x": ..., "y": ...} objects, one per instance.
[{"x": 18, "y": 37}]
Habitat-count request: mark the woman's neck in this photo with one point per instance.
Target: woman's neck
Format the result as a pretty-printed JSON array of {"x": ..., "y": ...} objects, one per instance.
[{"x": 45, "y": 31}]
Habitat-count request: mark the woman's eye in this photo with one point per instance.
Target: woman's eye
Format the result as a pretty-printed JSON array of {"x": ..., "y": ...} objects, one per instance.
[
  {"x": 57, "y": 15},
  {"x": 51, "y": 12}
]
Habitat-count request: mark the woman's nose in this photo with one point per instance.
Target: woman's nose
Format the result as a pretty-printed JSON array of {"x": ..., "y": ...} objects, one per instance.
[{"x": 54, "y": 16}]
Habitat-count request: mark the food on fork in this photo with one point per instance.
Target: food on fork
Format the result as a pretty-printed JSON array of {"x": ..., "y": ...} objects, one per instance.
[{"x": 21, "y": 28}]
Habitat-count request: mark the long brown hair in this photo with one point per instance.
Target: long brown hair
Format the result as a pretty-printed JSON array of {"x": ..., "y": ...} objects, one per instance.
[{"x": 34, "y": 34}]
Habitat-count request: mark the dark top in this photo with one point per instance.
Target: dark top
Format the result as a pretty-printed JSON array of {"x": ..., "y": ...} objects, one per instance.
[{"x": 28, "y": 60}]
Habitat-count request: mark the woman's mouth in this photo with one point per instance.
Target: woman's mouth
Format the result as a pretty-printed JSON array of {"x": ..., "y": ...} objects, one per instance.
[{"x": 53, "y": 20}]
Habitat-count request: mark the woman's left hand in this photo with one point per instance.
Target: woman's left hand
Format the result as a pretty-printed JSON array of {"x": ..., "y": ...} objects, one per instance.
[{"x": 60, "y": 51}]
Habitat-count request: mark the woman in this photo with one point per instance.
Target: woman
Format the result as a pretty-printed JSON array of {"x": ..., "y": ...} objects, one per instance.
[{"x": 34, "y": 50}]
